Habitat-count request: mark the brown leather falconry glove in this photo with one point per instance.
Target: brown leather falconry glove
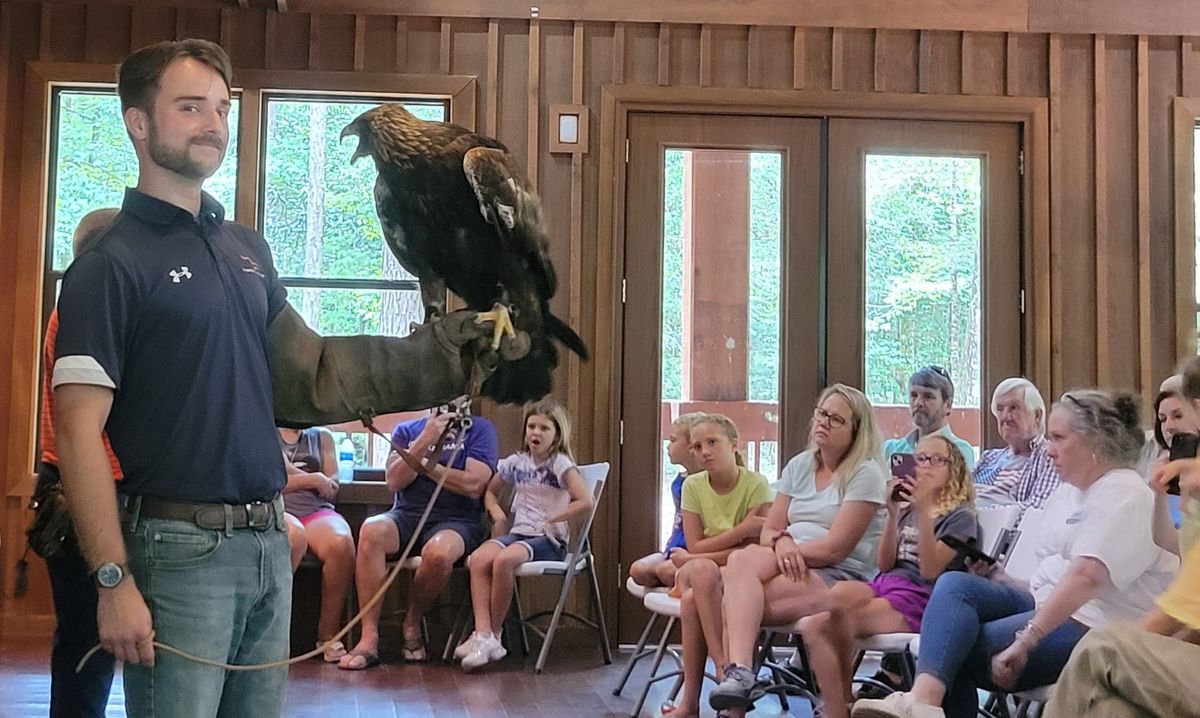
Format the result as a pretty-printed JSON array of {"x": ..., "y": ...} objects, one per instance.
[{"x": 328, "y": 380}]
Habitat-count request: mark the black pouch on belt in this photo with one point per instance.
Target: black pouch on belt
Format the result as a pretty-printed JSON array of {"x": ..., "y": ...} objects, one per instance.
[{"x": 51, "y": 530}]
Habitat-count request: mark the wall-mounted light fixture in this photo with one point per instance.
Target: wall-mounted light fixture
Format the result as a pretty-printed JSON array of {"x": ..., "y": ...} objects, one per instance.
[{"x": 569, "y": 129}]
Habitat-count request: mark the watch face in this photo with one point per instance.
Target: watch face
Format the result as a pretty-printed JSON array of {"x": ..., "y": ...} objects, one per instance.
[{"x": 109, "y": 575}]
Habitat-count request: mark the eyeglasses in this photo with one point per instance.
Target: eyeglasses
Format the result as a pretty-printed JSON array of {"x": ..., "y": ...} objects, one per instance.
[
  {"x": 931, "y": 459},
  {"x": 834, "y": 420}
]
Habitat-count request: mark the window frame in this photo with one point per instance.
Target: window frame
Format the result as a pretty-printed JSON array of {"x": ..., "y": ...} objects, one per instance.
[{"x": 34, "y": 287}]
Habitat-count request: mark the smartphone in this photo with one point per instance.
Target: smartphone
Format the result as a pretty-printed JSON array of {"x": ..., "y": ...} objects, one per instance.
[
  {"x": 903, "y": 466},
  {"x": 1183, "y": 446},
  {"x": 969, "y": 550}
]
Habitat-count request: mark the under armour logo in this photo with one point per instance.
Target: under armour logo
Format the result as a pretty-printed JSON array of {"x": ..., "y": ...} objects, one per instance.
[{"x": 181, "y": 273}]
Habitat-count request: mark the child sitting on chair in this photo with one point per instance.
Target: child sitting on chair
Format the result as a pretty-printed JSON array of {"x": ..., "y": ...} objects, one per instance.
[
  {"x": 657, "y": 569},
  {"x": 911, "y": 557},
  {"x": 548, "y": 491}
]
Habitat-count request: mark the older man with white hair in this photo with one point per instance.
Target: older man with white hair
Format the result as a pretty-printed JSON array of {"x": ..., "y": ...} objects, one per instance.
[{"x": 1020, "y": 472}]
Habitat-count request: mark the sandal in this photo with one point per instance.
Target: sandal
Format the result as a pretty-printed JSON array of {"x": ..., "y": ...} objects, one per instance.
[
  {"x": 369, "y": 660},
  {"x": 333, "y": 652},
  {"x": 414, "y": 650}
]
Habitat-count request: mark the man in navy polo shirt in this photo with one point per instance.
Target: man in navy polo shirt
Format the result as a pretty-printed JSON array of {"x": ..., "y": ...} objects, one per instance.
[{"x": 172, "y": 328}]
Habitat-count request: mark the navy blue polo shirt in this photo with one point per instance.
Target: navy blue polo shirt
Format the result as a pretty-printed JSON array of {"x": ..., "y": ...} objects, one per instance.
[{"x": 170, "y": 311}]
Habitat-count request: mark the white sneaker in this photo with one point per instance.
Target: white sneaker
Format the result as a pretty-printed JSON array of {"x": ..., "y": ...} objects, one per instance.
[
  {"x": 466, "y": 646},
  {"x": 895, "y": 705},
  {"x": 487, "y": 649}
]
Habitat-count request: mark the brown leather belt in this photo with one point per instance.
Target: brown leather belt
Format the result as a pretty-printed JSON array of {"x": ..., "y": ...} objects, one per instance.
[{"x": 259, "y": 515}]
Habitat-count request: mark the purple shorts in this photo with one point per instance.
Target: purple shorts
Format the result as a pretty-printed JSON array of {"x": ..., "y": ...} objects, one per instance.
[{"x": 908, "y": 598}]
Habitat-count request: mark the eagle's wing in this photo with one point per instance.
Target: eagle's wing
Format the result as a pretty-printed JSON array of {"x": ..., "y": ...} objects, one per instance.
[{"x": 508, "y": 204}]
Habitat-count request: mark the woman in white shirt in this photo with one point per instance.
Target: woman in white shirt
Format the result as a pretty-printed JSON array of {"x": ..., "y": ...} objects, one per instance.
[
  {"x": 1098, "y": 564},
  {"x": 823, "y": 526}
]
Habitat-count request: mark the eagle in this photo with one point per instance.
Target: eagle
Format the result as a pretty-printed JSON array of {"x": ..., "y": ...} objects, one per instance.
[{"x": 458, "y": 213}]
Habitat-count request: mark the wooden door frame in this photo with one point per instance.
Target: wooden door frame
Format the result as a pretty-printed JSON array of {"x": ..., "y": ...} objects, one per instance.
[
  {"x": 1186, "y": 115},
  {"x": 617, "y": 101}
]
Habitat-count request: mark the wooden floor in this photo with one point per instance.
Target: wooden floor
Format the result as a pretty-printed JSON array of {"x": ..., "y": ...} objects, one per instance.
[{"x": 575, "y": 683}]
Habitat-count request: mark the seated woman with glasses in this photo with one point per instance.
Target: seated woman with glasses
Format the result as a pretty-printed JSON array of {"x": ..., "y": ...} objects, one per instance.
[
  {"x": 912, "y": 554},
  {"x": 824, "y": 526},
  {"x": 1097, "y": 565}
]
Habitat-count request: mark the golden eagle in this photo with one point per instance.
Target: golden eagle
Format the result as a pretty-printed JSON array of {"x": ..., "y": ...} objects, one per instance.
[{"x": 458, "y": 213}]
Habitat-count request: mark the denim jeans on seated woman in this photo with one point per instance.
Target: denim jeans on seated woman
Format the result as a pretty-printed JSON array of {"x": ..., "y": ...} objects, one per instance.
[
  {"x": 968, "y": 620},
  {"x": 225, "y": 596}
]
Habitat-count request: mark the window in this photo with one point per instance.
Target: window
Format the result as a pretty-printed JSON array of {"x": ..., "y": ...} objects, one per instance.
[{"x": 318, "y": 215}]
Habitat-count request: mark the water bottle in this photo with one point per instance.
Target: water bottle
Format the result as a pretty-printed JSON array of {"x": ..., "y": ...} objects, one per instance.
[{"x": 346, "y": 461}]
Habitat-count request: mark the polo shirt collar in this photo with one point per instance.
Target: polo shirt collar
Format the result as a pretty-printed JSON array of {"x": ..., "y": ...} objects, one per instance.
[
  {"x": 945, "y": 431},
  {"x": 156, "y": 211}
]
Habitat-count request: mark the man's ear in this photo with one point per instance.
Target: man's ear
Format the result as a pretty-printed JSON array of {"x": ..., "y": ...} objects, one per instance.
[{"x": 137, "y": 123}]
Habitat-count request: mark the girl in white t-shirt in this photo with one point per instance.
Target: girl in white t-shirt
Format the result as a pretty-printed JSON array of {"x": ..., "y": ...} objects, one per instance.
[
  {"x": 547, "y": 493},
  {"x": 1097, "y": 564}
]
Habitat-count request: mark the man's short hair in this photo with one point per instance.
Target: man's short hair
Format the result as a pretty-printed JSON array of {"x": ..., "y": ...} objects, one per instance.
[
  {"x": 933, "y": 377},
  {"x": 140, "y": 75}
]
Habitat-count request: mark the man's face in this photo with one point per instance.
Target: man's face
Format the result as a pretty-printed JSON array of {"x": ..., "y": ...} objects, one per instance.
[
  {"x": 929, "y": 409},
  {"x": 187, "y": 130}
]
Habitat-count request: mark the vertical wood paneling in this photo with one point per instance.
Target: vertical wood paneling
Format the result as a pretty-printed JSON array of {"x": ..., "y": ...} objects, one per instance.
[
  {"x": 491, "y": 89},
  {"x": 292, "y": 53},
  {"x": 575, "y": 263},
  {"x": 246, "y": 48},
  {"x": 940, "y": 62},
  {"x": 45, "y": 31},
  {"x": 858, "y": 60},
  {"x": 314, "y": 42},
  {"x": 984, "y": 63},
  {"x": 198, "y": 22},
  {"x": 1032, "y": 77},
  {"x": 818, "y": 55},
  {"x": 775, "y": 47},
  {"x": 684, "y": 60},
  {"x": 641, "y": 47},
  {"x": 729, "y": 44},
  {"x": 754, "y": 60},
  {"x": 513, "y": 101},
  {"x": 108, "y": 31},
  {"x": 706, "y": 56},
  {"x": 226, "y": 28},
  {"x": 1011, "y": 67},
  {"x": 897, "y": 60},
  {"x": 1189, "y": 66},
  {"x": 1100, "y": 98},
  {"x": 1055, "y": 63},
  {"x": 68, "y": 34},
  {"x": 664, "y": 54},
  {"x": 1143, "y": 210},
  {"x": 535, "y": 88},
  {"x": 424, "y": 39},
  {"x": 468, "y": 50}
]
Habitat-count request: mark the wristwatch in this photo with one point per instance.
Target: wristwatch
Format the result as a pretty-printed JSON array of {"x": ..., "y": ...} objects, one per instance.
[{"x": 110, "y": 574}]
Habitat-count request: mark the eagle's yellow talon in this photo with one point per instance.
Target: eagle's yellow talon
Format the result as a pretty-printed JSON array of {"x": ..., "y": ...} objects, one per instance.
[{"x": 500, "y": 316}]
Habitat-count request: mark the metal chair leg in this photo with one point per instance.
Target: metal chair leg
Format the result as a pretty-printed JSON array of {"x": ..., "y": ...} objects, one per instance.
[
  {"x": 521, "y": 616},
  {"x": 658, "y": 656},
  {"x": 559, "y": 607},
  {"x": 601, "y": 626},
  {"x": 639, "y": 652}
]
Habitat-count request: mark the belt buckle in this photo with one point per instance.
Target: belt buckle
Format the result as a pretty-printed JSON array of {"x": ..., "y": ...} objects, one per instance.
[{"x": 250, "y": 522}]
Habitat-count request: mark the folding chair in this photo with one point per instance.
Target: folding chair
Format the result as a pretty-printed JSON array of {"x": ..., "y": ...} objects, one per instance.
[
  {"x": 578, "y": 559},
  {"x": 640, "y": 650}
]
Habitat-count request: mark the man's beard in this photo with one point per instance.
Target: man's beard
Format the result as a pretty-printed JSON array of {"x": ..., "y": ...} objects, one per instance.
[{"x": 177, "y": 159}]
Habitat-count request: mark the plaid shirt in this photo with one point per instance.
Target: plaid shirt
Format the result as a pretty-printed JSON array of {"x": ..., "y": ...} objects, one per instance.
[{"x": 1029, "y": 483}]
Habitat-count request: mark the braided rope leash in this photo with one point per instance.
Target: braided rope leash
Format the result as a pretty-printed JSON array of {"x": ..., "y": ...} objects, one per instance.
[{"x": 455, "y": 431}]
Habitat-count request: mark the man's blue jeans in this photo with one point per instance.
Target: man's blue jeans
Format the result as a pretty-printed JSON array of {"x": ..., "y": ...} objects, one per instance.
[
  {"x": 222, "y": 595},
  {"x": 968, "y": 620}
]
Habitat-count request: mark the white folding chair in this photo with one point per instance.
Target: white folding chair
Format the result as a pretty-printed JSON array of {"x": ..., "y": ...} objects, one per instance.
[
  {"x": 1022, "y": 559},
  {"x": 578, "y": 559}
]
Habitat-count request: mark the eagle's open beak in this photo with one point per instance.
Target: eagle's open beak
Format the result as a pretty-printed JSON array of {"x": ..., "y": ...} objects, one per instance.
[{"x": 352, "y": 130}]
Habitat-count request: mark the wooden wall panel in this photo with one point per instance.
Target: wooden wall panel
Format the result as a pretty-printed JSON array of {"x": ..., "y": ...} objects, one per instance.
[
  {"x": 379, "y": 43},
  {"x": 108, "y": 33},
  {"x": 1117, "y": 195},
  {"x": 818, "y": 58},
  {"x": 246, "y": 47},
  {"x": 199, "y": 22},
  {"x": 641, "y": 54},
  {"x": 941, "y": 62},
  {"x": 683, "y": 59},
  {"x": 1075, "y": 271},
  {"x": 897, "y": 60},
  {"x": 468, "y": 55},
  {"x": 1157, "y": 196},
  {"x": 63, "y": 33},
  {"x": 424, "y": 45},
  {"x": 1032, "y": 77},
  {"x": 151, "y": 24},
  {"x": 984, "y": 63},
  {"x": 775, "y": 58},
  {"x": 286, "y": 40},
  {"x": 729, "y": 52},
  {"x": 331, "y": 42},
  {"x": 858, "y": 60},
  {"x": 513, "y": 117}
]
